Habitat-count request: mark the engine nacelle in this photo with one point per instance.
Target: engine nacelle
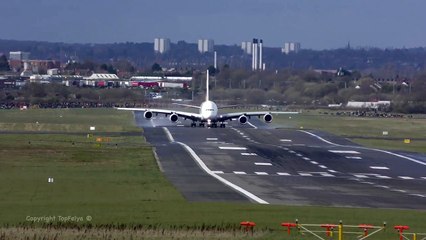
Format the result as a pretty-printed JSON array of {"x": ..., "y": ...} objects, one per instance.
[
  {"x": 267, "y": 118},
  {"x": 173, "y": 117},
  {"x": 147, "y": 115},
  {"x": 242, "y": 119}
]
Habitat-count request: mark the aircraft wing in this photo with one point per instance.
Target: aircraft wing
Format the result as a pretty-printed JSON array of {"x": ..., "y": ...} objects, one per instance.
[
  {"x": 166, "y": 112},
  {"x": 235, "y": 115}
]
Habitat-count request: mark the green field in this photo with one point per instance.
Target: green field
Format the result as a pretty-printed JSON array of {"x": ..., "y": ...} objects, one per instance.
[{"x": 114, "y": 188}]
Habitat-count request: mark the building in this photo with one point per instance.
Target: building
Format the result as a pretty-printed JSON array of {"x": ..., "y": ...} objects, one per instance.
[
  {"x": 290, "y": 47},
  {"x": 19, "y": 56},
  {"x": 247, "y": 47},
  {"x": 205, "y": 45},
  {"x": 161, "y": 45}
]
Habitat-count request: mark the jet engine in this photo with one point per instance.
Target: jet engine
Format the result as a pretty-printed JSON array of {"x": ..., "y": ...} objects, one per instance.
[
  {"x": 242, "y": 119},
  {"x": 267, "y": 118},
  {"x": 147, "y": 115},
  {"x": 173, "y": 117}
]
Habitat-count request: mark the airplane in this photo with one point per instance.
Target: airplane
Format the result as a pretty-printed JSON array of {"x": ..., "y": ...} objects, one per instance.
[{"x": 208, "y": 113}]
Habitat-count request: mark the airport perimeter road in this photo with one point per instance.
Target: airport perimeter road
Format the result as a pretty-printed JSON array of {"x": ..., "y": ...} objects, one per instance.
[{"x": 275, "y": 166}]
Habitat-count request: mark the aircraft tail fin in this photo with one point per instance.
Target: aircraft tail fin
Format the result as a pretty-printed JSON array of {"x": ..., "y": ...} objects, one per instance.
[{"x": 207, "y": 86}]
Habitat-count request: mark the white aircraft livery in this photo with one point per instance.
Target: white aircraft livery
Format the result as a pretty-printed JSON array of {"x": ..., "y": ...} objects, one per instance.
[{"x": 208, "y": 113}]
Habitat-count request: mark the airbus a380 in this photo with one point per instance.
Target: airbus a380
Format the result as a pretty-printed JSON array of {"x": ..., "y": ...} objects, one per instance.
[{"x": 208, "y": 113}]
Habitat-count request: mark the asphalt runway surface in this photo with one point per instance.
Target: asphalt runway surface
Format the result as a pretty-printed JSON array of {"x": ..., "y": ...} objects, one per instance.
[{"x": 258, "y": 163}]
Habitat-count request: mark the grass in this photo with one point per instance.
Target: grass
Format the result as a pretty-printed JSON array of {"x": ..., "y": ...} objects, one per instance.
[{"x": 118, "y": 185}]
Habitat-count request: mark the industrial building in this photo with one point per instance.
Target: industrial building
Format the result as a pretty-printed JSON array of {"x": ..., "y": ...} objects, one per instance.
[{"x": 161, "y": 45}]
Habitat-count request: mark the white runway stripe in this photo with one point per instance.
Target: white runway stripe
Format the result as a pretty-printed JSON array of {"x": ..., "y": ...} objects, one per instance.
[
  {"x": 283, "y": 174},
  {"x": 322, "y": 166},
  {"x": 286, "y": 140},
  {"x": 249, "y": 154},
  {"x": 344, "y": 151},
  {"x": 233, "y": 148},
  {"x": 327, "y": 175},
  {"x": 211, "y": 139},
  {"x": 305, "y": 174},
  {"x": 349, "y": 157},
  {"x": 262, "y": 164},
  {"x": 418, "y": 195},
  {"x": 240, "y": 173},
  {"x": 379, "y": 168},
  {"x": 405, "y": 177},
  {"x": 217, "y": 172},
  {"x": 261, "y": 173},
  {"x": 423, "y": 178},
  {"x": 313, "y": 162},
  {"x": 306, "y": 158},
  {"x": 360, "y": 176},
  {"x": 383, "y": 177}
]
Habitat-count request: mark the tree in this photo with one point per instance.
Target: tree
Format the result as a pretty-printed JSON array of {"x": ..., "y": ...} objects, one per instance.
[
  {"x": 4, "y": 65},
  {"x": 156, "y": 67}
]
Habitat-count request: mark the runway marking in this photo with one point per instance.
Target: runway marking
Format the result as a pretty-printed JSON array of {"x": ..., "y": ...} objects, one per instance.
[
  {"x": 180, "y": 125},
  {"x": 224, "y": 181},
  {"x": 286, "y": 149},
  {"x": 217, "y": 172},
  {"x": 299, "y": 155},
  {"x": 370, "y": 183},
  {"x": 313, "y": 162},
  {"x": 240, "y": 173},
  {"x": 306, "y": 158},
  {"x": 233, "y": 148},
  {"x": 423, "y": 178},
  {"x": 398, "y": 190},
  {"x": 249, "y": 154},
  {"x": 332, "y": 171},
  {"x": 283, "y": 174},
  {"x": 382, "y": 186},
  {"x": 261, "y": 173},
  {"x": 262, "y": 164},
  {"x": 344, "y": 151},
  {"x": 418, "y": 195},
  {"x": 374, "y": 149},
  {"x": 350, "y": 157},
  {"x": 249, "y": 123},
  {"x": 327, "y": 175},
  {"x": 360, "y": 176},
  {"x": 406, "y": 177},
  {"x": 383, "y": 177},
  {"x": 285, "y": 140},
  {"x": 211, "y": 139},
  {"x": 305, "y": 174},
  {"x": 291, "y": 151},
  {"x": 169, "y": 135},
  {"x": 322, "y": 166},
  {"x": 299, "y": 144},
  {"x": 379, "y": 168}
]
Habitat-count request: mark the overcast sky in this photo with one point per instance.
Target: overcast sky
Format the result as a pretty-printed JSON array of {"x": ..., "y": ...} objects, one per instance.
[{"x": 316, "y": 24}]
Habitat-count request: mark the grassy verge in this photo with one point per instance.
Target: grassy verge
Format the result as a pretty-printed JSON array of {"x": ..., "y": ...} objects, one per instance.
[{"x": 114, "y": 189}]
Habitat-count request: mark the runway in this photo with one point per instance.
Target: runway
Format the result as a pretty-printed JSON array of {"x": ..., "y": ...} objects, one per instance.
[{"x": 261, "y": 164}]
